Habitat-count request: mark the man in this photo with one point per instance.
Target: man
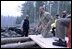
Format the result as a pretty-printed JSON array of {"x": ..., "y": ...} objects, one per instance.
[
  {"x": 60, "y": 29},
  {"x": 45, "y": 22},
  {"x": 64, "y": 14},
  {"x": 25, "y": 26},
  {"x": 53, "y": 25}
]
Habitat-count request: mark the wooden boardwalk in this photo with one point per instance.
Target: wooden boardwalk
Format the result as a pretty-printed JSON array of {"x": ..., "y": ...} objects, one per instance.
[{"x": 45, "y": 42}]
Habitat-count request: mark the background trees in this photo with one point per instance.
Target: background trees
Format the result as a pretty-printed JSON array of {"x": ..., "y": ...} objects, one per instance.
[{"x": 31, "y": 8}]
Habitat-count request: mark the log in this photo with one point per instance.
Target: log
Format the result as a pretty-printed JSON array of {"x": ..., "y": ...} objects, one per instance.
[
  {"x": 28, "y": 44},
  {"x": 14, "y": 40}
]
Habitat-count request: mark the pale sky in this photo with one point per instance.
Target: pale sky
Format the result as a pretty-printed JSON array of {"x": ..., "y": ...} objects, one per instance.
[{"x": 11, "y": 8}]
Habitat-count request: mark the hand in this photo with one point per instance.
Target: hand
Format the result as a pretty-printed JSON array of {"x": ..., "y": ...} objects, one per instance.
[
  {"x": 21, "y": 29},
  {"x": 45, "y": 27},
  {"x": 36, "y": 28}
]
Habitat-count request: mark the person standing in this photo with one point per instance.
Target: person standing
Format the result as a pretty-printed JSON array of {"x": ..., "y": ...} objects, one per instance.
[
  {"x": 54, "y": 25},
  {"x": 45, "y": 22},
  {"x": 26, "y": 26},
  {"x": 60, "y": 29}
]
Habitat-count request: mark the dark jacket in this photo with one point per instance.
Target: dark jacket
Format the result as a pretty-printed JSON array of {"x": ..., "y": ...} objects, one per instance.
[{"x": 26, "y": 24}]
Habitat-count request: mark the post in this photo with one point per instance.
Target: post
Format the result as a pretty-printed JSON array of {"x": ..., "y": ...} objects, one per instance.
[
  {"x": 51, "y": 3},
  {"x": 58, "y": 8},
  {"x": 50, "y": 8}
]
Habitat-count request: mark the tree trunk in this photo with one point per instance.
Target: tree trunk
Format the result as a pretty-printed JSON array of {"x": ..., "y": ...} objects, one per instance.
[
  {"x": 19, "y": 45},
  {"x": 14, "y": 40}
]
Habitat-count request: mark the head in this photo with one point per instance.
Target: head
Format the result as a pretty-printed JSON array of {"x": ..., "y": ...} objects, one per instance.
[
  {"x": 57, "y": 16},
  {"x": 41, "y": 9},
  {"x": 64, "y": 13},
  {"x": 27, "y": 17}
]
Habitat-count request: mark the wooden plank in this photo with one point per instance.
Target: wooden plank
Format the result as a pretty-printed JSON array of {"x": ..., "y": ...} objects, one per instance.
[{"x": 44, "y": 42}]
